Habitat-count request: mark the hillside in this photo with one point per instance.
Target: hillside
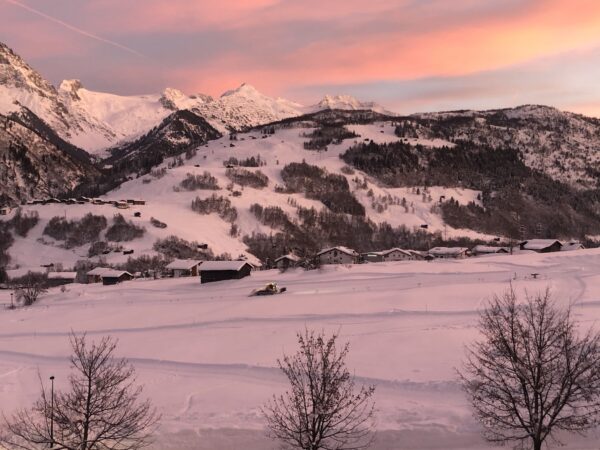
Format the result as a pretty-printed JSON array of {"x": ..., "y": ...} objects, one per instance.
[
  {"x": 36, "y": 162},
  {"x": 206, "y": 354},
  {"x": 169, "y": 199}
]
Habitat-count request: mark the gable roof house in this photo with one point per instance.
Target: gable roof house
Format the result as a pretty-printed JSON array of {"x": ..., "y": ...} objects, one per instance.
[
  {"x": 112, "y": 276},
  {"x": 449, "y": 252},
  {"x": 287, "y": 261},
  {"x": 223, "y": 270},
  {"x": 541, "y": 245},
  {"x": 417, "y": 254},
  {"x": 95, "y": 275},
  {"x": 487, "y": 250},
  {"x": 396, "y": 254},
  {"x": 183, "y": 268},
  {"x": 338, "y": 255}
]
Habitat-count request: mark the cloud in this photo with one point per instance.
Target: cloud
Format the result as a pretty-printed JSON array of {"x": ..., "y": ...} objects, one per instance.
[{"x": 286, "y": 46}]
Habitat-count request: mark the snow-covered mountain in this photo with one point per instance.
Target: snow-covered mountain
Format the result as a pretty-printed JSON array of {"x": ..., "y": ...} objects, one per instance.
[
  {"x": 347, "y": 102},
  {"x": 96, "y": 121},
  {"x": 36, "y": 162}
]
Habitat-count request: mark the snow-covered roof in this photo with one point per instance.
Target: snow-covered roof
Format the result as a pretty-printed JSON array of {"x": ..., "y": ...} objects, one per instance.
[
  {"x": 289, "y": 256},
  {"x": 222, "y": 265},
  {"x": 488, "y": 249},
  {"x": 573, "y": 245},
  {"x": 62, "y": 275},
  {"x": 98, "y": 271},
  {"x": 395, "y": 249},
  {"x": 112, "y": 273},
  {"x": 339, "y": 248},
  {"x": 182, "y": 264},
  {"x": 539, "y": 244},
  {"x": 447, "y": 251}
]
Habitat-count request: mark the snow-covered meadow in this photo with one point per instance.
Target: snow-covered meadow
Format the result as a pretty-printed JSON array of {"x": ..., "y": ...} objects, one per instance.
[{"x": 206, "y": 354}]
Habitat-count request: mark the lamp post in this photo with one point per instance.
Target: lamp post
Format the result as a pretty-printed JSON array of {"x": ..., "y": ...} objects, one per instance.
[
  {"x": 52, "y": 412},
  {"x": 12, "y": 303}
]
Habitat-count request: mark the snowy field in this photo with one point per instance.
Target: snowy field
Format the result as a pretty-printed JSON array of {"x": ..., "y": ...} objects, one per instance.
[{"x": 207, "y": 353}]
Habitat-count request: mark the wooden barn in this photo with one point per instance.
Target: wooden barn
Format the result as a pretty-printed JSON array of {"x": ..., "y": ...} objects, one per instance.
[
  {"x": 95, "y": 275},
  {"x": 183, "y": 268},
  {"x": 541, "y": 245},
  {"x": 224, "y": 270},
  {"x": 487, "y": 250},
  {"x": 60, "y": 278},
  {"x": 113, "y": 276}
]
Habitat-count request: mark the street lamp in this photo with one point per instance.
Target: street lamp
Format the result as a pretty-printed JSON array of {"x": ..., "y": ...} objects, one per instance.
[
  {"x": 12, "y": 303},
  {"x": 52, "y": 412}
]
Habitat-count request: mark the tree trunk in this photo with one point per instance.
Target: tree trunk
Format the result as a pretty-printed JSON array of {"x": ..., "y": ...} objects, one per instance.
[{"x": 537, "y": 444}]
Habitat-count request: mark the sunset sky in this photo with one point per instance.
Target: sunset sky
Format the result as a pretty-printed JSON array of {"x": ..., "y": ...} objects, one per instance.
[{"x": 409, "y": 55}]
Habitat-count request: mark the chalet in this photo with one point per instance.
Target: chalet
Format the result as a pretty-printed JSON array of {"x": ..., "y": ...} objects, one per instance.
[
  {"x": 95, "y": 275},
  {"x": 417, "y": 255},
  {"x": 287, "y": 261},
  {"x": 223, "y": 270},
  {"x": 61, "y": 278},
  {"x": 541, "y": 245},
  {"x": 572, "y": 245},
  {"x": 5, "y": 210},
  {"x": 183, "y": 268},
  {"x": 338, "y": 255},
  {"x": 449, "y": 252},
  {"x": 396, "y": 254},
  {"x": 487, "y": 250},
  {"x": 112, "y": 276}
]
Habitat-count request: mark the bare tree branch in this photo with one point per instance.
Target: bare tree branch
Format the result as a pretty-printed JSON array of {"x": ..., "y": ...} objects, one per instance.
[
  {"x": 101, "y": 410},
  {"x": 532, "y": 373},
  {"x": 323, "y": 409}
]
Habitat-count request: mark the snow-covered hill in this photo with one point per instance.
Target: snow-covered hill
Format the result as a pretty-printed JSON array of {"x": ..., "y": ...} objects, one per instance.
[
  {"x": 166, "y": 201},
  {"x": 206, "y": 354},
  {"x": 561, "y": 144}
]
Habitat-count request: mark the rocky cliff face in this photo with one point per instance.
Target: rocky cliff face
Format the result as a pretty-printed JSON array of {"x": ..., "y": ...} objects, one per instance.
[{"x": 35, "y": 162}]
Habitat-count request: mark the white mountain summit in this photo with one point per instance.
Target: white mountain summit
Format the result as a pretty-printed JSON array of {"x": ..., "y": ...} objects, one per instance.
[{"x": 96, "y": 121}]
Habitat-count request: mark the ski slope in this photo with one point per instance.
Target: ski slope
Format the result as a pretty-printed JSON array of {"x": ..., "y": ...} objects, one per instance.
[{"x": 206, "y": 354}]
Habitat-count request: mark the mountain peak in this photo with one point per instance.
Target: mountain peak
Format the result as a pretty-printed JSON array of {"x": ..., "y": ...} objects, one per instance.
[
  {"x": 71, "y": 87},
  {"x": 244, "y": 89},
  {"x": 340, "y": 102}
]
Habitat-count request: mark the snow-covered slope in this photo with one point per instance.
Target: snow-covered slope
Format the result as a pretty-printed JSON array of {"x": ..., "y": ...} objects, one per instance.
[
  {"x": 206, "y": 354},
  {"x": 170, "y": 204},
  {"x": 561, "y": 144}
]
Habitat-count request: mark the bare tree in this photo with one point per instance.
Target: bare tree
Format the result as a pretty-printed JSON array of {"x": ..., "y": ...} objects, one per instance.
[
  {"x": 29, "y": 287},
  {"x": 101, "y": 410},
  {"x": 322, "y": 409},
  {"x": 532, "y": 374}
]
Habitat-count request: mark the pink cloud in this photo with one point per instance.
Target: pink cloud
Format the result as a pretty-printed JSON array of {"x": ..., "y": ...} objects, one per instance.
[{"x": 547, "y": 29}]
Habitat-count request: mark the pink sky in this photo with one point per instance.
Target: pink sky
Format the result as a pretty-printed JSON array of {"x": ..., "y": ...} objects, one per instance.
[{"x": 407, "y": 54}]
